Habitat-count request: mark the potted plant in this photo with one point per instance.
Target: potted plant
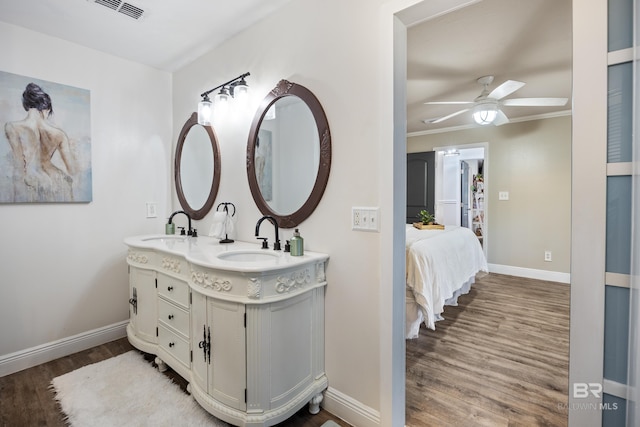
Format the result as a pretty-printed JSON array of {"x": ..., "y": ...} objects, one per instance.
[{"x": 426, "y": 217}]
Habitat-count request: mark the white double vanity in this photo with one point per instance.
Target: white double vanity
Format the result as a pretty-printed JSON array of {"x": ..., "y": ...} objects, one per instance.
[{"x": 244, "y": 326}]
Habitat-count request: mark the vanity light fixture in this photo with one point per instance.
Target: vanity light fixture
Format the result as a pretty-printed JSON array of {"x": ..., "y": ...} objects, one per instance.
[{"x": 234, "y": 88}]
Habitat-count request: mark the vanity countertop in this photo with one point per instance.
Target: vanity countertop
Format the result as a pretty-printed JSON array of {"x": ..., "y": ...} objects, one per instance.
[{"x": 243, "y": 257}]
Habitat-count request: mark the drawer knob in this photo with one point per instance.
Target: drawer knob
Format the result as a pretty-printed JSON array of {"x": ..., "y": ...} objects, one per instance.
[
  {"x": 171, "y": 344},
  {"x": 170, "y": 316},
  {"x": 169, "y": 288}
]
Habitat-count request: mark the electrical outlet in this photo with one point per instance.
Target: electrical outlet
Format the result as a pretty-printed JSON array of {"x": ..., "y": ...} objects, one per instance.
[
  {"x": 547, "y": 256},
  {"x": 503, "y": 195},
  {"x": 356, "y": 219},
  {"x": 364, "y": 219}
]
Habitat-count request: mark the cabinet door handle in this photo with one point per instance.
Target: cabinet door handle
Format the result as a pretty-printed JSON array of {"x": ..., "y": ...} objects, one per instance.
[
  {"x": 170, "y": 316},
  {"x": 134, "y": 301},
  {"x": 169, "y": 288},
  {"x": 171, "y": 344}
]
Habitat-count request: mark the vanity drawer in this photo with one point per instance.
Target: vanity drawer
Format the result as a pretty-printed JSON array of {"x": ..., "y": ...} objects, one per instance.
[
  {"x": 174, "y": 290},
  {"x": 173, "y": 316},
  {"x": 173, "y": 344}
]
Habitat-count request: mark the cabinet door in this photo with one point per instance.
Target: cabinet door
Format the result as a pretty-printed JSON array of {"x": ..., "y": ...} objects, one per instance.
[
  {"x": 199, "y": 339},
  {"x": 228, "y": 372},
  {"x": 142, "y": 288}
]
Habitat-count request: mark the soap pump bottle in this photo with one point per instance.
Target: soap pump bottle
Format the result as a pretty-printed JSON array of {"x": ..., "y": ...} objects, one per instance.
[
  {"x": 297, "y": 244},
  {"x": 169, "y": 227}
]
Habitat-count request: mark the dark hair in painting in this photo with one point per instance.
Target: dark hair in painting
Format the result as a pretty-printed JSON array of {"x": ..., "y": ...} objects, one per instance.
[{"x": 34, "y": 97}]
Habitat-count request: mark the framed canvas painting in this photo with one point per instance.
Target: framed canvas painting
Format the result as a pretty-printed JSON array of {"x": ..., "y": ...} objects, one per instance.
[{"x": 45, "y": 143}]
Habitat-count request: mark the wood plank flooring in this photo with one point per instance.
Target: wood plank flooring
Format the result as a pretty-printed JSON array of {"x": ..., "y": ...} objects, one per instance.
[
  {"x": 500, "y": 358},
  {"x": 26, "y": 399}
]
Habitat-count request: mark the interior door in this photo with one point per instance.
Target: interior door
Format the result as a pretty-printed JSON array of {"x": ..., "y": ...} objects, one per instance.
[
  {"x": 420, "y": 184},
  {"x": 464, "y": 194}
]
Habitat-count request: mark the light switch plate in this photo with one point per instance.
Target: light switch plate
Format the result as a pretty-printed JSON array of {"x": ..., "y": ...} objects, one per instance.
[
  {"x": 152, "y": 210},
  {"x": 365, "y": 219},
  {"x": 503, "y": 195}
]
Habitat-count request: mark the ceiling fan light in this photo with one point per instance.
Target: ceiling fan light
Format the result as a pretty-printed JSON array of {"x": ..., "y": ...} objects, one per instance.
[{"x": 485, "y": 114}]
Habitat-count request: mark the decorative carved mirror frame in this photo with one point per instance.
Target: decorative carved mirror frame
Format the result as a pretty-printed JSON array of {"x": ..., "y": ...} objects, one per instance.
[
  {"x": 285, "y": 88},
  {"x": 215, "y": 182}
]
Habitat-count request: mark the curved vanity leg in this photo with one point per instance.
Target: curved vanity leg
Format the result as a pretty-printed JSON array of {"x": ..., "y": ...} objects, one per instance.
[
  {"x": 189, "y": 388},
  {"x": 161, "y": 365},
  {"x": 314, "y": 403}
]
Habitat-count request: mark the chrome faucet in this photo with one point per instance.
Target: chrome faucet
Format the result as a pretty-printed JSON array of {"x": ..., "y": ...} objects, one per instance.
[
  {"x": 276, "y": 245},
  {"x": 190, "y": 231}
]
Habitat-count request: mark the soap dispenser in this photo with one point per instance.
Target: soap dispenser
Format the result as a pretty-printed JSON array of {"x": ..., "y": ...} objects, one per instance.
[
  {"x": 170, "y": 228},
  {"x": 297, "y": 244}
]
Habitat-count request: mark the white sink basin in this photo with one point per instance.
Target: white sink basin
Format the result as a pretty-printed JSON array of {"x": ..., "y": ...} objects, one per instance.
[
  {"x": 249, "y": 256},
  {"x": 167, "y": 238}
]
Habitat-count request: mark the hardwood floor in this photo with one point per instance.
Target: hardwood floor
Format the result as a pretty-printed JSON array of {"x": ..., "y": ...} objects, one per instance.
[
  {"x": 500, "y": 358},
  {"x": 27, "y": 400}
]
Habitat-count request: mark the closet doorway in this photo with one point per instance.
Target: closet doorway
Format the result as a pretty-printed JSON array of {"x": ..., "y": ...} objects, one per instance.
[{"x": 460, "y": 188}]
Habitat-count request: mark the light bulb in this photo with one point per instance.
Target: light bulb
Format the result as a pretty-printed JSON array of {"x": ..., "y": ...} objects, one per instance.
[
  {"x": 241, "y": 90},
  {"x": 205, "y": 111},
  {"x": 485, "y": 114}
]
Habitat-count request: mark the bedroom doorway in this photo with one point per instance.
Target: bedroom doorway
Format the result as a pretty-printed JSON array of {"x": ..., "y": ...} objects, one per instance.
[{"x": 442, "y": 75}]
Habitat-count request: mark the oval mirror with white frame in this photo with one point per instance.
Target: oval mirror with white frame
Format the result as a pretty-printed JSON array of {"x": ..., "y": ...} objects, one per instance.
[
  {"x": 197, "y": 168},
  {"x": 289, "y": 154}
]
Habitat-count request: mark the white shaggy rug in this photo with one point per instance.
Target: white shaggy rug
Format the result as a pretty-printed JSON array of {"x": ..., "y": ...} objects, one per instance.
[{"x": 126, "y": 390}]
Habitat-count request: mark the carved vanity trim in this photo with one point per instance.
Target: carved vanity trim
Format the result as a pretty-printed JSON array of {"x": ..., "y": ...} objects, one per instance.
[{"x": 253, "y": 379}]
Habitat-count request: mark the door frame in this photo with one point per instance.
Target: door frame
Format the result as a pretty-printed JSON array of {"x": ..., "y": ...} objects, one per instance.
[
  {"x": 486, "y": 175},
  {"x": 589, "y": 128}
]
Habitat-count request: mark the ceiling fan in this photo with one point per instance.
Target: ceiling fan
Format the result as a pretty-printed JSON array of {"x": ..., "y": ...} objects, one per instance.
[{"x": 486, "y": 107}]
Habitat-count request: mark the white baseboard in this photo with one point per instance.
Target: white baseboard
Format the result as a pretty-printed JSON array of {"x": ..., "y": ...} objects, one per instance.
[
  {"x": 34, "y": 356},
  {"x": 531, "y": 273},
  {"x": 349, "y": 409}
]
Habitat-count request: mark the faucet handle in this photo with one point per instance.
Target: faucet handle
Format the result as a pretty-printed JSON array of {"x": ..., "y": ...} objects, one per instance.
[
  {"x": 265, "y": 245},
  {"x": 182, "y": 233}
]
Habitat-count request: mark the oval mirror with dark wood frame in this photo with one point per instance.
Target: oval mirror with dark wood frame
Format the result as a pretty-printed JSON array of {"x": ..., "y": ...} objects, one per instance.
[
  {"x": 289, "y": 154},
  {"x": 197, "y": 168}
]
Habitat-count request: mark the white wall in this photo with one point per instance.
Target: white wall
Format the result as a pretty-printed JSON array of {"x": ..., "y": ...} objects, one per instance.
[
  {"x": 63, "y": 265},
  {"x": 323, "y": 46}
]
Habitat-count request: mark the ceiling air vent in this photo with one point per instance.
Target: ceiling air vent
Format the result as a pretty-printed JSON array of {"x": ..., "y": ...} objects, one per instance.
[
  {"x": 111, "y": 4},
  {"x": 122, "y": 7},
  {"x": 131, "y": 11}
]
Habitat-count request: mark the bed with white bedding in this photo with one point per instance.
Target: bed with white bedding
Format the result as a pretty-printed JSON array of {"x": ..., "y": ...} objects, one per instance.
[{"x": 441, "y": 266}]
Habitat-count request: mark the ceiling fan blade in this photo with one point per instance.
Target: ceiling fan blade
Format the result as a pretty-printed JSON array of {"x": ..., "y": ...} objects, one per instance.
[
  {"x": 449, "y": 102},
  {"x": 535, "y": 102},
  {"x": 501, "y": 118},
  {"x": 505, "y": 89},
  {"x": 442, "y": 119}
]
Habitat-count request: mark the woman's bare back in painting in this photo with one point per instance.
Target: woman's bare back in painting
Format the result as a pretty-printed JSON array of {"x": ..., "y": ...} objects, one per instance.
[{"x": 34, "y": 141}]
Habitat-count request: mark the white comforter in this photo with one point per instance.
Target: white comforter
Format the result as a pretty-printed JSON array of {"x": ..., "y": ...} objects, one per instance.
[{"x": 439, "y": 264}]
